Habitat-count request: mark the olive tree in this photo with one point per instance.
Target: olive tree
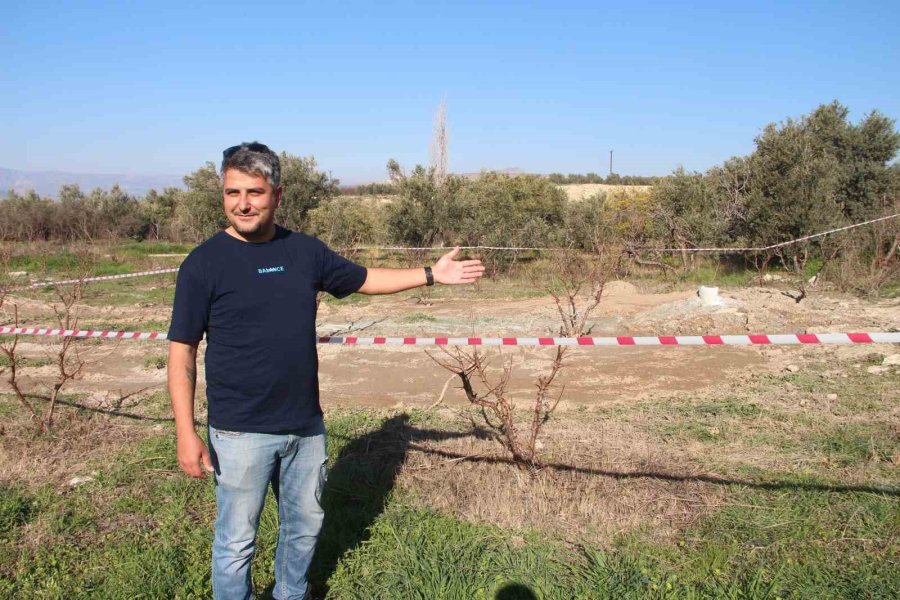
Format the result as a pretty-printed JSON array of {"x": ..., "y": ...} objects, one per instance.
[{"x": 304, "y": 187}]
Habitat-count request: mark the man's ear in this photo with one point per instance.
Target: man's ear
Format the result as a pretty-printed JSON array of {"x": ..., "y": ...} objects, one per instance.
[{"x": 278, "y": 192}]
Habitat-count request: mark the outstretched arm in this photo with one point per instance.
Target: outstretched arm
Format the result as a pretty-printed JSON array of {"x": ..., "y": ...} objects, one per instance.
[{"x": 447, "y": 270}]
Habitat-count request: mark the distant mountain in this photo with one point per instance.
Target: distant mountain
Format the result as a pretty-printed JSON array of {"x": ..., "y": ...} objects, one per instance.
[{"x": 47, "y": 183}]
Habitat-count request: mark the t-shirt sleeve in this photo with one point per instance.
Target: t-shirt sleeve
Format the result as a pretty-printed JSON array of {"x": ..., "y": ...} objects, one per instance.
[
  {"x": 340, "y": 277},
  {"x": 190, "y": 311}
]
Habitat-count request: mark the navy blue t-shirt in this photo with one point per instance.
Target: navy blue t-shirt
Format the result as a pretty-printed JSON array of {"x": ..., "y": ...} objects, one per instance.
[{"x": 256, "y": 303}]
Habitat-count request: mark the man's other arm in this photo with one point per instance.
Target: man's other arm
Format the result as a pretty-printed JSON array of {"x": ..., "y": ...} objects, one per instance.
[
  {"x": 447, "y": 271},
  {"x": 193, "y": 455}
]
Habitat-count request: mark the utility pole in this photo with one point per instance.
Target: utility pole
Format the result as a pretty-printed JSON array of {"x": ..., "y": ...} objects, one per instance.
[{"x": 610, "y": 162}]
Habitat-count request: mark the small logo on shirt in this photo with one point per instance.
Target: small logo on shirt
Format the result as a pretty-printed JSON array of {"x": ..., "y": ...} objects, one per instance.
[{"x": 264, "y": 270}]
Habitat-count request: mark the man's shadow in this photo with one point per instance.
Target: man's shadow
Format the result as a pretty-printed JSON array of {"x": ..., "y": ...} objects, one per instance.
[
  {"x": 359, "y": 484},
  {"x": 364, "y": 473}
]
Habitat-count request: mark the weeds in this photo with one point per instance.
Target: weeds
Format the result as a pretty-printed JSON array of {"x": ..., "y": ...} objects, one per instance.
[
  {"x": 157, "y": 361},
  {"x": 25, "y": 361},
  {"x": 142, "y": 530},
  {"x": 418, "y": 317}
]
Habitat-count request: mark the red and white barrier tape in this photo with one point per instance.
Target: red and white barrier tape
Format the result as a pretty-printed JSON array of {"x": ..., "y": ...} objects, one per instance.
[
  {"x": 873, "y": 337},
  {"x": 664, "y": 340},
  {"x": 83, "y": 333}
]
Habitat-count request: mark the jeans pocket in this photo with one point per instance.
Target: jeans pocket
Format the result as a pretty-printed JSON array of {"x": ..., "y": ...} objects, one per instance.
[
  {"x": 323, "y": 478},
  {"x": 221, "y": 434}
]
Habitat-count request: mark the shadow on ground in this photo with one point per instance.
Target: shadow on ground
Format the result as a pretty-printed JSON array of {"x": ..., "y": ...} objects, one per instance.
[
  {"x": 364, "y": 474},
  {"x": 359, "y": 485},
  {"x": 515, "y": 591}
]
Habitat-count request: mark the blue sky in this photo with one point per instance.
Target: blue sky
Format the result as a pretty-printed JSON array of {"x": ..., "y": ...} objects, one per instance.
[{"x": 161, "y": 87}]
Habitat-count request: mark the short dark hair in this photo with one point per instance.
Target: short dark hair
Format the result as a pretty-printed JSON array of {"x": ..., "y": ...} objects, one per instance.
[{"x": 253, "y": 158}]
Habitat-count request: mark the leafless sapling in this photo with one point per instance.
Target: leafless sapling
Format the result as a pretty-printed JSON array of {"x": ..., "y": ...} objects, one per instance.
[
  {"x": 576, "y": 289},
  {"x": 9, "y": 345},
  {"x": 68, "y": 361}
]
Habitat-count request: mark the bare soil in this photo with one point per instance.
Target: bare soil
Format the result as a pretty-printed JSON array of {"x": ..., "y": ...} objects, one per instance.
[
  {"x": 390, "y": 376},
  {"x": 609, "y": 474}
]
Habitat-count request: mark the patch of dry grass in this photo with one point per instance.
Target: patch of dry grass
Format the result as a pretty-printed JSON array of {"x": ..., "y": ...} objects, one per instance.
[
  {"x": 80, "y": 438},
  {"x": 657, "y": 465},
  {"x": 599, "y": 482}
]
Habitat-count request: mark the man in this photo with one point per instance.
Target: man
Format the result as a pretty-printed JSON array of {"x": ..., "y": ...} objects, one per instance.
[{"x": 251, "y": 289}]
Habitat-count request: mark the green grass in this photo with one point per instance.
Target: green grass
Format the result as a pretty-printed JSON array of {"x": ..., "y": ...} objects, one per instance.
[
  {"x": 138, "y": 531},
  {"x": 710, "y": 421},
  {"x": 145, "y": 326},
  {"x": 856, "y": 443},
  {"x": 15, "y": 510},
  {"x": 811, "y": 543},
  {"x": 785, "y": 543},
  {"x": 144, "y": 248},
  {"x": 25, "y": 361},
  {"x": 813, "y": 266},
  {"x": 418, "y": 317},
  {"x": 713, "y": 275},
  {"x": 853, "y": 431},
  {"x": 142, "y": 530},
  {"x": 157, "y": 361},
  {"x": 157, "y": 405},
  {"x": 156, "y": 290},
  {"x": 69, "y": 265},
  {"x": 823, "y": 531},
  {"x": 704, "y": 272}
]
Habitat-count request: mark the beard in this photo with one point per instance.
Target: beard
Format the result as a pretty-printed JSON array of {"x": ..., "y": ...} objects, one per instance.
[
  {"x": 245, "y": 226},
  {"x": 257, "y": 228}
]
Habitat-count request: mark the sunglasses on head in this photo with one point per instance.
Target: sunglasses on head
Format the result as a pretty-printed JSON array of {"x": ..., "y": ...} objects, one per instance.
[{"x": 253, "y": 146}]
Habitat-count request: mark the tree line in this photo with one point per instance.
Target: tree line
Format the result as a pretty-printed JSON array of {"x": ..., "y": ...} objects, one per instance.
[
  {"x": 805, "y": 175},
  {"x": 611, "y": 179}
]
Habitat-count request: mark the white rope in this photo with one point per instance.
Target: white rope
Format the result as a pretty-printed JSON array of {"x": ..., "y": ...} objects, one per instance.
[
  {"x": 773, "y": 246},
  {"x": 713, "y": 249},
  {"x": 448, "y": 248},
  {"x": 513, "y": 248}
]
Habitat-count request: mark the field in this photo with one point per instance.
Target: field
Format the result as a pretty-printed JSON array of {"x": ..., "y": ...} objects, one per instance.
[
  {"x": 721, "y": 472},
  {"x": 580, "y": 191}
]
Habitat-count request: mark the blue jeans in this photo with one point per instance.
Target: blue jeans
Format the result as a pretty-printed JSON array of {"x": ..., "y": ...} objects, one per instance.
[{"x": 245, "y": 464}]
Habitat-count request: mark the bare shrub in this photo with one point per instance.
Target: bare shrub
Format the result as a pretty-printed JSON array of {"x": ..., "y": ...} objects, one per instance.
[
  {"x": 869, "y": 258},
  {"x": 66, "y": 357},
  {"x": 11, "y": 370},
  {"x": 496, "y": 404},
  {"x": 576, "y": 288},
  {"x": 68, "y": 361},
  {"x": 577, "y": 283},
  {"x": 795, "y": 259},
  {"x": 8, "y": 347}
]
